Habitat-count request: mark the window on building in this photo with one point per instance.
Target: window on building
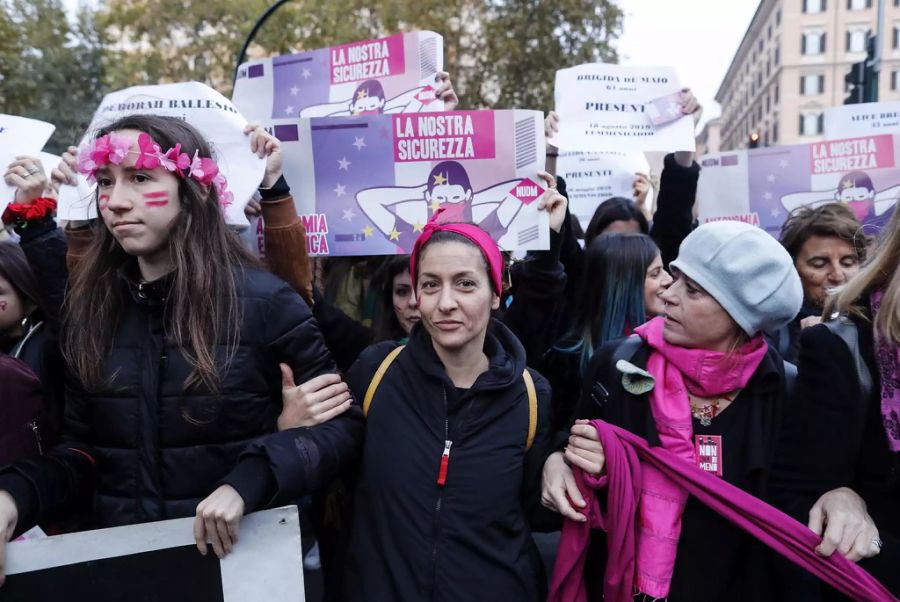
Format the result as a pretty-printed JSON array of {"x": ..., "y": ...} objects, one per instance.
[
  {"x": 895, "y": 80},
  {"x": 812, "y": 123},
  {"x": 778, "y": 52},
  {"x": 768, "y": 68},
  {"x": 813, "y": 6},
  {"x": 778, "y": 17},
  {"x": 775, "y": 100},
  {"x": 895, "y": 39},
  {"x": 766, "y": 138},
  {"x": 768, "y": 104},
  {"x": 812, "y": 84},
  {"x": 759, "y": 45},
  {"x": 812, "y": 43},
  {"x": 759, "y": 79},
  {"x": 859, "y": 4},
  {"x": 759, "y": 113},
  {"x": 769, "y": 30},
  {"x": 775, "y": 132},
  {"x": 856, "y": 39}
]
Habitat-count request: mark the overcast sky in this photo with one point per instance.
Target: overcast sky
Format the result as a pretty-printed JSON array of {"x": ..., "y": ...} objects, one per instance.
[{"x": 697, "y": 37}]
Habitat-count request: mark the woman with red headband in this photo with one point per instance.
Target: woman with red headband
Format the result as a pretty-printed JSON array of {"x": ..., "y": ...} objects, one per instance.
[{"x": 457, "y": 429}]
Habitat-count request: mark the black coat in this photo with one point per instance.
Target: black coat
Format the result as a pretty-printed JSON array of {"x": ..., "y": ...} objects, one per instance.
[
  {"x": 153, "y": 451},
  {"x": 834, "y": 437},
  {"x": 414, "y": 540},
  {"x": 695, "y": 575}
]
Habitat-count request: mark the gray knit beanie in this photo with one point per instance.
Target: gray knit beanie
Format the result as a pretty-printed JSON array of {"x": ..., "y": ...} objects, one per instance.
[{"x": 746, "y": 270}]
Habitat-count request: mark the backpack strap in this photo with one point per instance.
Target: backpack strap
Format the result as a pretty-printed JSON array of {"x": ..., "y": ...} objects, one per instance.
[
  {"x": 379, "y": 374},
  {"x": 846, "y": 330},
  {"x": 532, "y": 408}
]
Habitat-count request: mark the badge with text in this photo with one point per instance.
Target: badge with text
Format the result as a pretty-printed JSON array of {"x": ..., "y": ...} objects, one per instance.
[{"x": 708, "y": 449}]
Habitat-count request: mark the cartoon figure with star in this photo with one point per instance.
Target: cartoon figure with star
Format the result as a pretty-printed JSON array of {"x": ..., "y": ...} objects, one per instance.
[
  {"x": 367, "y": 99},
  {"x": 400, "y": 213},
  {"x": 856, "y": 190}
]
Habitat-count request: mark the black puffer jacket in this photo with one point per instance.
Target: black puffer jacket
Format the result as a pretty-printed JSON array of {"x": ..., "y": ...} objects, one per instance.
[
  {"x": 155, "y": 451},
  {"x": 414, "y": 540}
]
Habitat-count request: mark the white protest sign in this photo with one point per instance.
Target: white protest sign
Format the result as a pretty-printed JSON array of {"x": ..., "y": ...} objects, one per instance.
[
  {"x": 602, "y": 108},
  {"x": 73, "y": 202},
  {"x": 592, "y": 178},
  {"x": 20, "y": 136},
  {"x": 162, "y": 558},
  {"x": 210, "y": 113},
  {"x": 865, "y": 119}
]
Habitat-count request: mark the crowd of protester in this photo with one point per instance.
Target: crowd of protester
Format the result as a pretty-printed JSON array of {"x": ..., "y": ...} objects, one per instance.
[{"x": 439, "y": 408}]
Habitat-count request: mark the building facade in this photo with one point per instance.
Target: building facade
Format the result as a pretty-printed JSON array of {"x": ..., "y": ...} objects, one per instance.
[{"x": 791, "y": 65}]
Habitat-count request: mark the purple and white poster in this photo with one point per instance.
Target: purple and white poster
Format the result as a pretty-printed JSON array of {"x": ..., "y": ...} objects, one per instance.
[
  {"x": 762, "y": 186},
  {"x": 368, "y": 185},
  {"x": 389, "y": 75}
]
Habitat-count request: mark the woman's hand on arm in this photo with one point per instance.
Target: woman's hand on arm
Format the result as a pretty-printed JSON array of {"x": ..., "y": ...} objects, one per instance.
[
  {"x": 314, "y": 402},
  {"x": 841, "y": 518},
  {"x": 559, "y": 491}
]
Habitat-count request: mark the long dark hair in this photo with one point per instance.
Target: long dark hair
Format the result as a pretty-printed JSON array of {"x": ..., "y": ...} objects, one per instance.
[
  {"x": 202, "y": 307},
  {"x": 14, "y": 268},
  {"x": 386, "y": 327},
  {"x": 611, "y": 294},
  {"x": 614, "y": 210}
]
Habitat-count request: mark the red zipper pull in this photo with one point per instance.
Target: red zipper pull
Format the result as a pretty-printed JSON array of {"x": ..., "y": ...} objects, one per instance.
[{"x": 445, "y": 463}]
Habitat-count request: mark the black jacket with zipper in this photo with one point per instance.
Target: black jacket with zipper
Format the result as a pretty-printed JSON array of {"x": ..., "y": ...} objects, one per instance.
[{"x": 413, "y": 539}]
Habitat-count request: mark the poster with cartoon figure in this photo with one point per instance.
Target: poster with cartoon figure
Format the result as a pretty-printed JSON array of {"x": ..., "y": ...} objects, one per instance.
[
  {"x": 395, "y": 74},
  {"x": 762, "y": 186},
  {"x": 368, "y": 185}
]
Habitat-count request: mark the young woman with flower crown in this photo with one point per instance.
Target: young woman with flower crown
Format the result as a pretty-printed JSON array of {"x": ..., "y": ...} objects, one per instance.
[{"x": 173, "y": 338}]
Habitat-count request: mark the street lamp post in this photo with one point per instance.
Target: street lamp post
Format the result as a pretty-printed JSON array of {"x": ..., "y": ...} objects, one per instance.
[{"x": 256, "y": 27}]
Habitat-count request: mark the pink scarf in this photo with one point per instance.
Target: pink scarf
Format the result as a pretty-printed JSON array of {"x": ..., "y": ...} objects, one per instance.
[
  {"x": 887, "y": 357},
  {"x": 678, "y": 370},
  {"x": 628, "y": 457}
]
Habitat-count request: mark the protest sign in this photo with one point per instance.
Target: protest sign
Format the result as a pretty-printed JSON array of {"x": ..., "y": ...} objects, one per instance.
[
  {"x": 368, "y": 185},
  {"x": 603, "y": 108},
  {"x": 212, "y": 115},
  {"x": 20, "y": 136},
  {"x": 592, "y": 178},
  {"x": 762, "y": 186},
  {"x": 389, "y": 75},
  {"x": 160, "y": 561},
  {"x": 864, "y": 119}
]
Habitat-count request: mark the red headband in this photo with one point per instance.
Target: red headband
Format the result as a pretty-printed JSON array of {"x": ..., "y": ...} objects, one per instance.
[{"x": 482, "y": 240}]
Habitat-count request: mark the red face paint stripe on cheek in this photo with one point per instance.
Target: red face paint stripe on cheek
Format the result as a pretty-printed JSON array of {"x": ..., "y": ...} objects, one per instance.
[
  {"x": 161, "y": 198},
  {"x": 102, "y": 200}
]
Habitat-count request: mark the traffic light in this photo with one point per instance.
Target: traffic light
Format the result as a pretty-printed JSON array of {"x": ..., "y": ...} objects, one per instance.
[
  {"x": 754, "y": 140},
  {"x": 862, "y": 79},
  {"x": 856, "y": 79},
  {"x": 870, "y": 86}
]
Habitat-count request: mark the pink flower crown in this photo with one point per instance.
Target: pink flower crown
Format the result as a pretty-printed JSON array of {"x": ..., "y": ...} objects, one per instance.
[{"x": 113, "y": 148}]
